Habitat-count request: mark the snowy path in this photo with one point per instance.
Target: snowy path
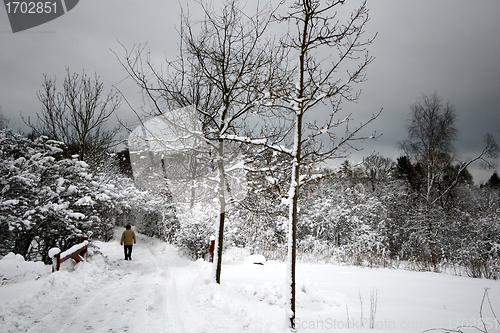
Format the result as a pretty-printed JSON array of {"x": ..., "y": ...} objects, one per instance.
[
  {"x": 137, "y": 291},
  {"x": 113, "y": 295},
  {"x": 160, "y": 292}
]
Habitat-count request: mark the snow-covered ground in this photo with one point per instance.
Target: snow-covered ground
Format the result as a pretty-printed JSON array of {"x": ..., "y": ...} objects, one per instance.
[{"x": 158, "y": 291}]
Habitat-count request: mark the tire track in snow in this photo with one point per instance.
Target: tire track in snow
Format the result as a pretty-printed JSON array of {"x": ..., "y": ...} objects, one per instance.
[
  {"x": 178, "y": 308},
  {"x": 161, "y": 279},
  {"x": 172, "y": 307}
]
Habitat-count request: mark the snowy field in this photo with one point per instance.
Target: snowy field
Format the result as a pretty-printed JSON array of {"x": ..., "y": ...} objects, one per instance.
[{"x": 160, "y": 292}]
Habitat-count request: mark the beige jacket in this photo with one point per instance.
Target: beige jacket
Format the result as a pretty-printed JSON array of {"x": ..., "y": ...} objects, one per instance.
[{"x": 128, "y": 237}]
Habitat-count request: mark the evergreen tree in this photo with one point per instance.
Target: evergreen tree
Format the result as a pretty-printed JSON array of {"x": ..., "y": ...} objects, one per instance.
[{"x": 494, "y": 181}]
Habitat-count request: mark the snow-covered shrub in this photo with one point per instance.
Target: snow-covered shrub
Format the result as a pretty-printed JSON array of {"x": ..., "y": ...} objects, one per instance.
[
  {"x": 193, "y": 236},
  {"x": 341, "y": 220},
  {"x": 151, "y": 222},
  {"x": 193, "y": 240},
  {"x": 479, "y": 252},
  {"x": 311, "y": 249},
  {"x": 259, "y": 232},
  {"x": 46, "y": 200}
]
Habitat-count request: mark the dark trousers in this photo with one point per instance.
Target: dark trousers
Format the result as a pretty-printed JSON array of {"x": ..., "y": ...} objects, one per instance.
[{"x": 128, "y": 252}]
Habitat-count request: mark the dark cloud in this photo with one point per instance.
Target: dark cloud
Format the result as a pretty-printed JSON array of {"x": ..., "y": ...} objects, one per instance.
[
  {"x": 82, "y": 40},
  {"x": 448, "y": 46}
]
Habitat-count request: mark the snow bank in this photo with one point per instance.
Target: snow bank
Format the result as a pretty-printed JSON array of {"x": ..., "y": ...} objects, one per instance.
[
  {"x": 237, "y": 306},
  {"x": 161, "y": 292},
  {"x": 256, "y": 259},
  {"x": 13, "y": 268},
  {"x": 38, "y": 304}
]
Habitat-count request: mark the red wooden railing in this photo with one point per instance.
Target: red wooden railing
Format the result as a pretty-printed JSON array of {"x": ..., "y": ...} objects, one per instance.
[{"x": 77, "y": 252}]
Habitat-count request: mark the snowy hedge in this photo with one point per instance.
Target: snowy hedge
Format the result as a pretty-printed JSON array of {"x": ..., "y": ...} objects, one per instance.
[{"x": 46, "y": 200}]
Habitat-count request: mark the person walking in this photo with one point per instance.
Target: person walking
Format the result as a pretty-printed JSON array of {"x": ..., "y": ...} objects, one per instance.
[{"x": 128, "y": 239}]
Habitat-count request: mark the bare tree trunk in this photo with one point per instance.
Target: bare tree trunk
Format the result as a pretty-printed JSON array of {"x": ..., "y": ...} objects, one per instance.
[
  {"x": 428, "y": 220},
  {"x": 222, "y": 212},
  {"x": 293, "y": 209},
  {"x": 315, "y": 84},
  {"x": 292, "y": 251}
]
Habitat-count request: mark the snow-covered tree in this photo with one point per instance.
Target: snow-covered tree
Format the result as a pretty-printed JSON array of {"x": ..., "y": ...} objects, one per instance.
[
  {"x": 47, "y": 200},
  {"x": 222, "y": 68},
  {"x": 345, "y": 219},
  {"x": 431, "y": 137},
  {"x": 77, "y": 115},
  {"x": 319, "y": 80},
  {"x": 259, "y": 223}
]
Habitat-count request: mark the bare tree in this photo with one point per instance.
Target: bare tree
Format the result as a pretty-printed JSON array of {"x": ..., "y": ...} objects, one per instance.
[
  {"x": 226, "y": 69},
  {"x": 324, "y": 48},
  {"x": 77, "y": 116},
  {"x": 224, "y": 64},
  {"x": 378, "y": 169},
  {"x": 431, "y": 142}
]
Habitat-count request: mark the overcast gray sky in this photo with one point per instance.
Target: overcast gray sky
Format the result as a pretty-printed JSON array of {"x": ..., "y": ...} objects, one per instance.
[{"x": 448, "y": 46}]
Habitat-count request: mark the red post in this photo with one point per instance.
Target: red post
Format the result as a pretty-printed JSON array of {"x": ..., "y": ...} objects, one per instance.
[
  {"x": 57, "y": 258},
  {"x": 212, "y": 247}
]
